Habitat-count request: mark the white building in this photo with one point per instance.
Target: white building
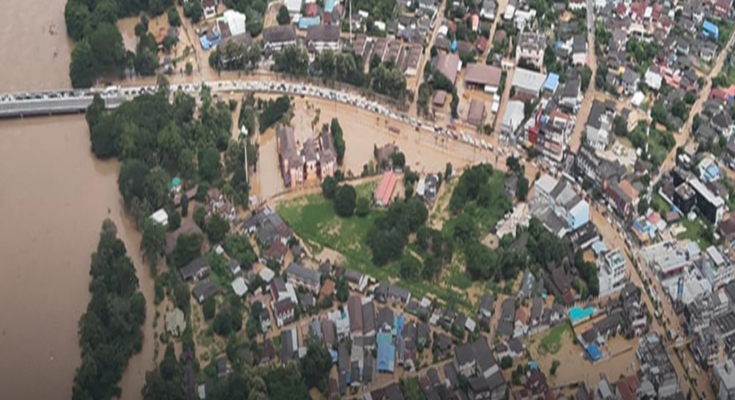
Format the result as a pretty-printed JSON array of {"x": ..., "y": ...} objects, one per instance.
[
  {"x": 611, "y": 272},
  {"x": 160, "y": 217},
  {"x": 723, "y": 380},
  {"x": 235, "y": 21},
  {"x": 716, "y": 267}
]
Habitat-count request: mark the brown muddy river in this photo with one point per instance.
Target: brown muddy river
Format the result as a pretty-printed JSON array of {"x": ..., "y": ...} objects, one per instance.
[{"x": 54, "y": 196}]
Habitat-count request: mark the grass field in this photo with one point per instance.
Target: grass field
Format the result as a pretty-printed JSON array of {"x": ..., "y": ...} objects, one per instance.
[
  {"x": 698, "y": 232},
  {"x": 315, "y": 222},
  {"x": 552, "y": 342}
]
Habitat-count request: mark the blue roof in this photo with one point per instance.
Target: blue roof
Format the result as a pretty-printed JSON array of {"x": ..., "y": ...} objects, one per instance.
[
  {"x": 305, "y": 22},
  {"x": 559, "y": 44},
  {"x": 594, "y": 352},
  {"x": 335, "y": 355},
  {"x": 712, "y": 171},
  {"x": 599, "y": 247},
  {"x": 386, "y": 352},
  {"x": 710, "y": 27},
  {"x": 329, "y": 5},
  {"x": 453, "y": 47},
  {"x": 207, "y": 44},
  {"x": 552, "y": 81}
]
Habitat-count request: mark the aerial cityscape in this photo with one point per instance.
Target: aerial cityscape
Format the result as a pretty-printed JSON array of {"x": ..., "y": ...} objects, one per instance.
[{"x": 368, "y": 199}]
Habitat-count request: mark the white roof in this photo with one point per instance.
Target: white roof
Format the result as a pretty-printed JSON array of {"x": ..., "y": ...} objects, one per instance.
[
  {"x": 513, "y": 114},
  {"x": 235, "y": 21},
  {"x": 526, "y": 79},
  {"x": 546, "y": 183},
  {"x": 239, "y": 286},
  {"x": 470, "y": 324},
  {"x": 160, "y": 216},
  {"x": 267, "y": 274},
  {"x": 294, "y": 6},
  {"x": 637, "y": 99}
]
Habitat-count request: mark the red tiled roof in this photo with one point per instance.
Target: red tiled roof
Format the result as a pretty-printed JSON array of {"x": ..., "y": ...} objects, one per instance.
[{"x": 385, "y": 188}]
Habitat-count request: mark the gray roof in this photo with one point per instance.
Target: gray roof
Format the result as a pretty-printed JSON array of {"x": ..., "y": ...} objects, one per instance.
[
  {"x": 596, "y": 112},
  {"x": 483, "y": 355},
  {"x": 205, "y": 290},
  {"x": 191, "y": 269},
  {"x": 368, "y": 316},
  {"x": 465, "y": 354},
  {"x": 303, "y": 273},
  {"x": 279, "y": 34},
  {"x": 323, "y": 33}
]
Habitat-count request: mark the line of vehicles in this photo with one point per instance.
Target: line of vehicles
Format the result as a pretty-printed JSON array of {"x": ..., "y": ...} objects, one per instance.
[{"x": 113, "y": 91}]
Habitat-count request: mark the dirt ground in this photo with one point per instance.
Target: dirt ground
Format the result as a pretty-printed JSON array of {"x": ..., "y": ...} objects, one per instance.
[{"x": 271, "y": 14}]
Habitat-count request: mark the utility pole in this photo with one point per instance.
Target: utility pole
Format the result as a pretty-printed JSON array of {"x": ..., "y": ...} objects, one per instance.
[{"x": 350, "y": 22}]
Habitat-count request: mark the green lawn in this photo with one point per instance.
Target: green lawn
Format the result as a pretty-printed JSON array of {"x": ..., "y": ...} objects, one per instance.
[
  {"x": 698, "y": 232},
  {"x": 552, "y": 342},
  {"x": 315, "y": 222},
  {"x": 659, "y": 204}
]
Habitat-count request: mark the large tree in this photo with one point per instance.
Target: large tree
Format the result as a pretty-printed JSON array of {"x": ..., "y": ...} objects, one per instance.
[
  {"x": 153, "y": 242},
  {"x": 345, "y": 199},
  {"x": 316, "y": 365}
]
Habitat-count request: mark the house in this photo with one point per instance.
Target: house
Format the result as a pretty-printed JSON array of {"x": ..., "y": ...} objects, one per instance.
[
  {"x": 653, "y": 77},
  {"x": 630, "y": 81},
  {"x": 723, "y": 379},
  {"x": 557, "y": 198},
  {"x": 656, "y": 366},
  {"x": 298, "y": 275},
  {"x": 275, "y": 38},
  {"x": 476, "y": 113},
  {"x": 530, "y": 48},
  {"x": 289, "y": 345},
  {"x": 322, "y": 37},
  {"x": 369, "y": 326},
  {"x": 611, "y": 272},
  {"x": 354, "y": 308},
  {"x": 623, "y": 197},
  {"x": 385, "y": 189},
  {"x": 487, "y": 11},
  {"x": 483, "y": 77},
  {"x": 209, "y": 8},
  {"x": 356, "y": 280},
  {"x": 513, "y": 118},
  {"x": 204, "y": 291},
  {"x": 528, "y": 83},
  {"x": 447, "y": 64},
  {"x": 175, "y": 322},
  {"x": 722, "y": 123},
  {"x": 284, "y": 310},
  {"x": 486, "y": 308},
  {"x": 599, "y": 126},
  {"x": 239, "y": 286},
  {"x": 579, "y": 50},
  {"x": 464, "y": 360},
  {"x": 507, "y": 317},
  {"x": 196, "y": 270},
  {"x": 520, "y": 323}
]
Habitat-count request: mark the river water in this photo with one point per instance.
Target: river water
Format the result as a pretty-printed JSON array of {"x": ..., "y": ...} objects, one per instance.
[{"x": 54, "y": 196}]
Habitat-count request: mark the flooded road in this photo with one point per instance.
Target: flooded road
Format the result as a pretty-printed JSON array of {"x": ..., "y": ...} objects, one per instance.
[{"x": 54, "y": 196}]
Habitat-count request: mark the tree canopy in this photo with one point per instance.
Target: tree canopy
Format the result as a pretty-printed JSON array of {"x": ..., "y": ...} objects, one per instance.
[{"x": 110, "y": 329}]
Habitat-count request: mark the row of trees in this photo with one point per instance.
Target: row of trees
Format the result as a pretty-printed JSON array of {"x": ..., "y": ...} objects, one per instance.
[
  {"x": 110, "y": 329},
  {"x": 384, "y": 78},
  {"x": 236, "y": 55}
]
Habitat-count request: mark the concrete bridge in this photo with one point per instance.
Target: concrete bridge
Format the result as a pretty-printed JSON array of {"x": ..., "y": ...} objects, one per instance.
[{"x": 19, "y": 105}]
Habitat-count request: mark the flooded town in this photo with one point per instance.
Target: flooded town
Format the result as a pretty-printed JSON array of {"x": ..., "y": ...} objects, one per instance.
[{"x": 367, "y": 199}]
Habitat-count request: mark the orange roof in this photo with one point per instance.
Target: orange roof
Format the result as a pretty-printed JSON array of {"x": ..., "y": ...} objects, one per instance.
[
  {"x": 385, "y": 188},
  {"x": 628, "y": 189},
  {"x": 327, "y": 289}
]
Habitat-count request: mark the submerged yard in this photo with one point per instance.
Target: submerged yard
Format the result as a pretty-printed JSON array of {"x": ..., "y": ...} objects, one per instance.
[{"x": 553, "y": 341}]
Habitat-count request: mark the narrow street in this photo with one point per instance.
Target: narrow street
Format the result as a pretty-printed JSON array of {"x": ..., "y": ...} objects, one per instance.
[
  {"x": 590, "y": 94},
  {"x": 684, "y": 134}
]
